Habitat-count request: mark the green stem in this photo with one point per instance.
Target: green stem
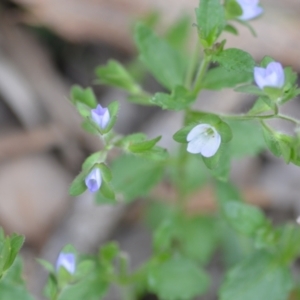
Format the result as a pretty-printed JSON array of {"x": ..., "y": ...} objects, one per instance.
[
  {"x": 192, "y": 66},
  {"x": 246, "y": 117},
  {"x": 183, "y": 154},
  {"x": 276, "y": 109},
  {"x": 288, "y": 118},
  {"x": 202, "y": 70}
]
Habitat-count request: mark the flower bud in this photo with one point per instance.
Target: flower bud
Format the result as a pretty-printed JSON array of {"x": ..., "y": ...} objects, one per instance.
[
  {"x": 203, "y": 139},
  {"x": 93, "y": 180},
  {"x": 272, "y": 75},
  {"x": 250, "y": 9},
  {"x": 100, "y": 116},
  {"x": 67, "y": 261}
]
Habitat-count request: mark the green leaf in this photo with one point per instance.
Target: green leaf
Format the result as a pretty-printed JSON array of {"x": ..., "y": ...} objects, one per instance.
[
  {"x": 140, "y": 99},
  {"x": 286, "y": 144},
  {"x": 89, "y": 126},
  {"x": 105, "y": 172},
  {"x": 290, "y": 90},
  {"x": 222, "y": 170},
  {"x": 50, "y": 289},
  {"x": 12, "y": 285},
  {"x": 245, "y": 218},
  {"x": 226, "y": 192},
  {"x": 177, "y": 279},
  {"x": 250, "y": 89},
  {"x": 198, "y": 238},
  {"x": 211, "y": 20},
  {"x": 84, "y": 96},
  {"x": 113, "y": 109},
  {"x": 214, "y": 161},
  {"x": 219, "y": 78},
  {"x": 235, "y": 60},
  {"x": 258, "y": 277},
  {"x": 178, "y": 34},
  {"x": 47, "y": 265},
  {"x": 94, "y": 158},
  {"x": 107, "y": 192},
  {"x": 156, "y": 153},
  {"x": 109, "y": 251},
  {"x": 288, "y": 243},
  {"x": 16, "y": 243},
  {"x": 134, "y": 176},
  {"x": 290, "y": 76},
  {"x": 114, "y": 74},
  {"x": 181, "y": 135},
  {"x": 273, "y": 93},
  {"x": 78, "y": 186},
  {"x": 233, "y": 9},
  {"x": 157, "y": 212},
  {"x": 225, "y": 131},
  {"x": 247, "y": 138},
  {"x": 199, "y": 117},
  {"x": 131, "y": 139},
  {"x": 260, "y": 106},
  {"x": 235, "y": 247},
  {"x": 271, "y": 140},
  {"x": 83, "y": 268},
  {"x": 5, "y": 254},
  {"x": 164, "y": 62},
  {"x": 194, "y": 172},
  {"x": 265, "y": 61},
  {"x": 92, "y": 287},
  {"x": 164, "y": 235},
  {"x": 247, "y": 24},
  {"x": 144, "y": 145},
  {"x": 231, "y": 29},
  {"x": 179, "y": 99},
  {"x": 83, "y": 109}
]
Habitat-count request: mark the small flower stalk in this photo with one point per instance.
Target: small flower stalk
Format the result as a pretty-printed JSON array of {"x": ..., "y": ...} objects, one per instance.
[
  {"x": 271, "y": 76},
  {"x": 67, "y": 261},
  {"x": 93, "y": 180},
  {"x": 250, "y": 8},
  {"x": 203, "y": 139},
  {"x": 100, "y": 116}
]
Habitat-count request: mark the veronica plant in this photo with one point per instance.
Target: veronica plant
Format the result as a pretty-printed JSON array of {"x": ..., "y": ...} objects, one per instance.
[
  {"x": 256, "y": 255},
  {"x": 209, "y": 141}
]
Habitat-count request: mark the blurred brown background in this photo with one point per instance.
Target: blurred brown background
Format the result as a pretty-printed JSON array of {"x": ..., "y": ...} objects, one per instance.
[{"x": 48, "y": 45}]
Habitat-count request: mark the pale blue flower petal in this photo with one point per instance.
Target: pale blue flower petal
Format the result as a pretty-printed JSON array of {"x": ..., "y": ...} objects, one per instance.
[
  {"x": 197, "y": 130},
  {"x": 105, "y": 118},
  {"x": 93, "y": 180},
  {"x": 277, "y": 69},
  {"x": 100, "y": 116},
  {"x": 212, "y": 146},
  {"x": 203, "y": 139},
  {"x": 250, "y": 9},
  {"x": 67, "y": 261},
  {"x": 272, "y": 75},
  {"x": 196, "y": 145},
  {"x": 259, "y": 77}
]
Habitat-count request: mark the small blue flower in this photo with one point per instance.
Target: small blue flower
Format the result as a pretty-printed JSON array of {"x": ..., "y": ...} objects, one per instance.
[
  {"x": 250, "y": 9},
  {"x": 203, "y": 139},
  {"x": 67, "y": 261},
  {"x": 272, "y": 75},
  {"x": 100, "y": 116},
  {"x": 93, "y": 180}
]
